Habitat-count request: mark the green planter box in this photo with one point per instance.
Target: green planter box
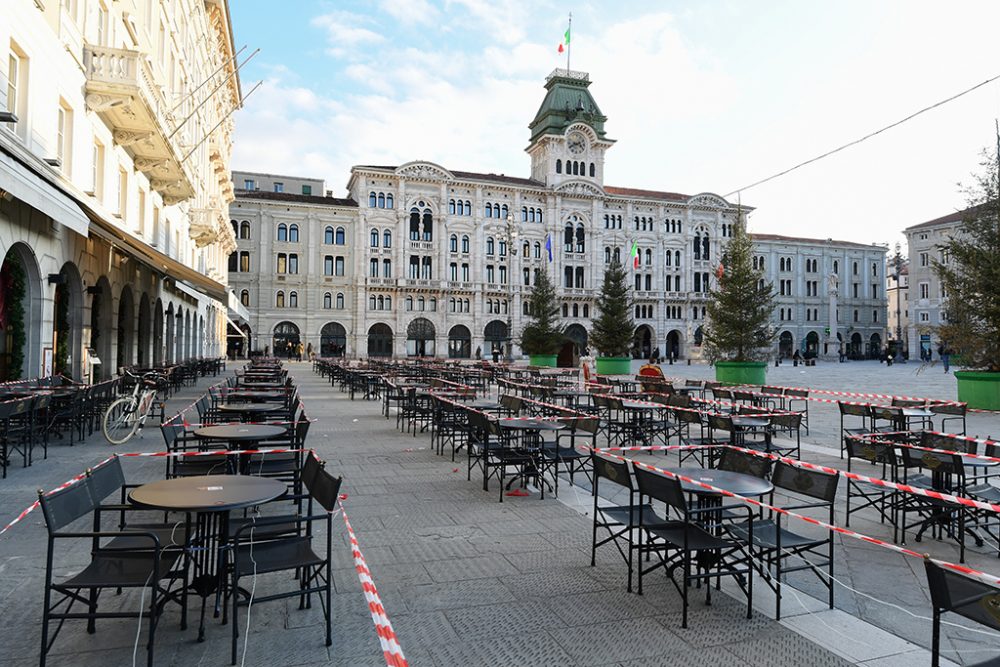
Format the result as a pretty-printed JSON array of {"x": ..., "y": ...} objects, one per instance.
[
  {"x": 542, "y": 359},
  {"x": 614, "y": 366},
  {"x": 980, "y": 389},
  {"x": 741, "y": 372}
]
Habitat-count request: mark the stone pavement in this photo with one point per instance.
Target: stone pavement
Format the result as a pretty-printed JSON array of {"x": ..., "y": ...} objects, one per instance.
[{"x": 467, "y": 580}]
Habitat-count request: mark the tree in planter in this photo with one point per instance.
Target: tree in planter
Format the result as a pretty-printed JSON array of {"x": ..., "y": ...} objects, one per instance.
[
  {"x": 971, "y": 274},
  {"x": 739, "y": 311},
  {"x": 614, "y": 328},
  {"x": 542, "y": 334},
  {"x": 15, "y": 290}
]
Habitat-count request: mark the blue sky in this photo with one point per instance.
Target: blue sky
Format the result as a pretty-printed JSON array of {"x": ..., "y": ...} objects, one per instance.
[{"x": 701, "y": 96}]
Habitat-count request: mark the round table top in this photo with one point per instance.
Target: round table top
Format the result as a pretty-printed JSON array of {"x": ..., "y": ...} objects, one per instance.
[
  {"x": 570, "y": 392},
  {"x": 250, "y": 394},
  {"x": 262, "y": 385},
  {"x": 735, "y": 482},
  {"x": 641, "y": 405},
  {"x": 917, "y": 412},
  {"x": 239, "y": 432},
  {"x": 207, "y": 493},
  {"x": 244, "y": 408},
  {"x": 749, "y": 422},
  {"x": 531, "y": 424},
  {"x": 483, "y": 404}
]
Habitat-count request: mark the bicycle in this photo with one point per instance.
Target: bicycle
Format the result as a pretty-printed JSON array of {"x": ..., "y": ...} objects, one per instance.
[{"x": 126, "y": 416}]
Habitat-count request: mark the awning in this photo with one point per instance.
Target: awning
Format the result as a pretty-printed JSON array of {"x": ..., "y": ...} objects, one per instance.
[
  {"x": 237, "y": 311},
  {"x": 240, "y": 333},
  {"x": 155, "y": 259},
  {"x": 41, "y": 195}
]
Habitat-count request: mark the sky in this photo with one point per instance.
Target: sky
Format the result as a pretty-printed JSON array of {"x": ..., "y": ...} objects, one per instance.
[{"x": 701, "y": 96}]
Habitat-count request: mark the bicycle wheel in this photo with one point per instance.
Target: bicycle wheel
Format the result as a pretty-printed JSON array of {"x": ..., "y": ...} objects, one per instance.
[{"x": 120, "y": 421}]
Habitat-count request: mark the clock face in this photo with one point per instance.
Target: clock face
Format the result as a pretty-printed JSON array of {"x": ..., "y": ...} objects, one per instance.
[{"x": 576, "y": 143}]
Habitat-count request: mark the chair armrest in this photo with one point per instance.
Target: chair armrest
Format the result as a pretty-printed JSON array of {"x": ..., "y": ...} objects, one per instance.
[
  {"x": 104, "y": 533},
  {"x": 703, "y": 510},
  {"x": 277, "y": 521},
  {"x": 807, "y": 506}
]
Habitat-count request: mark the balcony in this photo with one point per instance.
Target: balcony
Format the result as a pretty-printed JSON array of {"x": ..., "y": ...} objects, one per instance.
[
  {"x": 120, "y": 88},
  {"x": 421, "y": 245},
  {"x": 381, "y": 282}
]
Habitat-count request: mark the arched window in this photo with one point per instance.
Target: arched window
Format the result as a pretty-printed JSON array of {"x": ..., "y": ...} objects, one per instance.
[
  {"x": 236, "y": 228},
  {"x": 593, "y": 170},
  {"x": 282, "y": 232},
  {"x": 293, "y": 234},
  {"x": 538, "y": 250},
  {"x": 586, "y": 310},
  {"x": 279, "y": 300},
  {"x": 328, "y": 300},
  {"x": 576, "y": 310},
  {"x": 524, "y": 214},
  {"x": 504, "y": 211},
  {"x": 432, "y": 304},
  {"x": 649, "y": 257},
  {"x": 414, "y": 224},
  {"x": 373, "y": 268},
  {"x": 293, "y": 263},
  {"x": 558, "y": 166},
  {"x": 328, "y": 236},
  {"x": 372, "y": 302},
  {"x": 697, "y": 246},
  {"x": 468, "y": 207},
  {"x": 245, "y": 297},
  {"x": 489, "y": 245},
  {"x": 387, "y": 268},
  {"x": 339, "y": 236},
  {"x": 373, "y": 238},
  {"x": 568, "y": 238},
  {"x": 581, "y": 238},
  {"x": 293, "y": 299},
  {"x": 381, "y": 302},
  {"x": 388, "y": 303},
  {"x": 524, "y": 307},
  {"x": 388, "y": 201},
  {"x": 496, "y": 210},
  {"x": 618, "y": 255},
  {"x": 531, "y": 215},
  {"x": 677, "y": 258},
  {"x": 340, "y": 301},
  {"x": 371, "y": 200},
  {"x": 539, "y": 216},
  {"x": 233, "y": 266},
  {"x": 465, "y": 243},
  {"x": 607, "y": 255},
  {"x": 387, "y": 239},
  {"x": 565, "y": 310},
  {"x": 428, "y": 226},
  {"x": 245, "y": 229},
  {"x": 704, "y": 247},
  {"x": 381, "y": 200}
]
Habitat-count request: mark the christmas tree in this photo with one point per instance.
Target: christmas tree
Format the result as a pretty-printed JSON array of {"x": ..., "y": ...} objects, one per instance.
[
  {"x": 542, "y": 334},
  {"x": 971, "y": 273},
  {"x": 614, "y": 328},
  {"x": 739, "y": 312}
]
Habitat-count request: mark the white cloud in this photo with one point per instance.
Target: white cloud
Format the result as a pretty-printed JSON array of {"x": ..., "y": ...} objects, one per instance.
[
  {"x": 344, "y": 32},
  {"x": 418, "y": 12}
]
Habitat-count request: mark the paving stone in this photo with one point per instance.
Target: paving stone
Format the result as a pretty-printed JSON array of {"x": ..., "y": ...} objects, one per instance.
[
  {"x": 602, "y": 643},
  {"x": 477, "y": 567},
  {"x": 510, "y": 618},
  {"x": 537, "y": 649},
  {"x": 455, "y": 594}
]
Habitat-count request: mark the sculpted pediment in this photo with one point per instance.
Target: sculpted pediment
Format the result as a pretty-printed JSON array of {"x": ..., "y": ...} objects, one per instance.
[
  {"x": 580, "y": 189},
  {"x": 424, "y": 170},
  {"x": 708, "y": 200}
]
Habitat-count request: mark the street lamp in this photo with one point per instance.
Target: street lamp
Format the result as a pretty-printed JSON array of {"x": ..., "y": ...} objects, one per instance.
[
  {"x": 509, "y": 230},
  {"x": 897, "y": 261}
]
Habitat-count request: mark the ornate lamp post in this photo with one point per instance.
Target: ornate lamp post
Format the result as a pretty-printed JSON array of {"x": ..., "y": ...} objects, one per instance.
[
  {"x": 510, "y": 233},
  {"x": 897, "y": 263}
]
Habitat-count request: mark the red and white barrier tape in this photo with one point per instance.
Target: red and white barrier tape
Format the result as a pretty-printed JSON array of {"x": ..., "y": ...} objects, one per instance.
[
  {"x": 983, "y": 576},
  {"x": 383, "y": 628}
]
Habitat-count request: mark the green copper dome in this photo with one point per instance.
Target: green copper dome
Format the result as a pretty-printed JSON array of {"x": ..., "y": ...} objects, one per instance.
[{"x": 567, "y": 101}]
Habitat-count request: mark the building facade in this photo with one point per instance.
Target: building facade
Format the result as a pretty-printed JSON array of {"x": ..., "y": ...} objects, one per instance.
[
  {"x": 928, "y": 301},
  {"x": 898, "y": 292},
  {"x": 439, "y": 262},
  {"x": 115, "y": 141}
]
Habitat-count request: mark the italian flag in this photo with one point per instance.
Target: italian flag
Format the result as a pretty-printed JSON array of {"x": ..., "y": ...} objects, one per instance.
[
  {"x": 565, "y": 42},
  {"x": 634, "y": 254}
]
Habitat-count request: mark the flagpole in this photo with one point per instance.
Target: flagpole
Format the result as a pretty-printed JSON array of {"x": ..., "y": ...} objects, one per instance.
[{"x": 569, "y": 46}]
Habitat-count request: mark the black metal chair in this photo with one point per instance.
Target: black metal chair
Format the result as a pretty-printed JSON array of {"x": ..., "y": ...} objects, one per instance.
[
  {"x": 564, "y": 452},
  {"x": 620, "y": 521},
  {"x": 947, "y": 476},
  {"x": 797, "y": 400},
  {"x": 882, "y": 499},
  {"x": 964, "y": 595},
  {"x": 109, "y": 568},
  {"x": 850, "y": 410},
  {"x": 690, "y": 543},
  {"x": 951, "y": 412},
  {"x": 774, "y": 544},
  {"x": 252, "y": 558}
]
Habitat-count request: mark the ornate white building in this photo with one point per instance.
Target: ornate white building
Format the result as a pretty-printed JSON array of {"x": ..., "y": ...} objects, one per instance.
[
  {"x": 425, "y": 260},
  {"x": 115, "y": 143}
]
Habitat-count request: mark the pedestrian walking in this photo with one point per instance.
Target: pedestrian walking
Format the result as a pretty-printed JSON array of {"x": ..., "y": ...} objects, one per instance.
[
  {"x": 945, "y": 355},
  {"x": 796, "y": 358},
  {"x": 299, "y": 350}
]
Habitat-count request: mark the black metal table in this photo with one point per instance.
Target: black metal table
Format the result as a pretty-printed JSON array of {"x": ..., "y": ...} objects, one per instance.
[
  {"x": 531, "y": 444},
  {"x": 248, "y": 411},
  {"x": 210, "y": 498},
  {"x": 255, "y": 395}
]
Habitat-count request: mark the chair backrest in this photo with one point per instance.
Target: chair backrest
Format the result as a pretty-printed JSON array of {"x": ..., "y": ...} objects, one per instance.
[
  {"x": 776, "y": 391},
  {"x": 742, "y": 395},
  {"x": 873, "y": 452},
  {"x": 721, "y": 393},
  {"x": 65, "y": 506},
  {"x": 908, "y": 403},
  {"x": 947, "y": 441},
  {"x": 736, "y": 461},
  {"x": 813, "y": 483},
  {"x": 679, "y": 400},
  {"x": 7, "y": 409},
  {"x": 106, "y": 478},
  {"x": 693, "y": 383},
  {"x": 170, "y": 431},
  {"x": 616, "y": 471},
  {"x": 660, "y": 487},
  {"x": 947, "y": 464},
  {"x": 511, "y": 402},
  {"x": 688, "y": 416},
  {"x": 324, "y": 488},
  {"x": 301, "y": 431},
  {"x": 953, "y": 591},
  {"x": 720, "y": 422},
  {"x": 310, "y": 466},
  {"x": 957, "y": 409},
  {"x": 854, "y": 409},
  {"x": 786, "y": 420},
  {"x": 797, "y": 393},
  {"x": 886, "y": 412}
]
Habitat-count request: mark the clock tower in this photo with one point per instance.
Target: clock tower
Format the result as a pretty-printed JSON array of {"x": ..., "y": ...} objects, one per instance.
[{"x": 567, "y": 134}]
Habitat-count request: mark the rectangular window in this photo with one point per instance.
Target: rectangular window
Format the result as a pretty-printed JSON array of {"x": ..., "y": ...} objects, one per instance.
[
  {"x": 924, "y": 259},
  {"x": 874, "y": 291},
  {"x": 122, "y": 192},
  {"x": 489, "y": 273},
  {"x": 279, "y": 187},
  {"x": 293, "y": 263},
  {"x": 875, "y": 316},
  {"x": 925, "y": 290},
  {"x": 465, "y": 272},
  {"x": 141, "y": 218},
  {"x": 307, "y": 189},
  {"x": 102, "y": 24},
  {"x": 339, "y": 268},
  {"x": 156, "y": 226},
  {"x": 97, "y": 175},
  {"x": 328, "y": 265},
  {"x": 248, "y": 184},
  {"x": 245, "y": 262},
  {"x": 282, "y": 264},
  {"x": 64, "y": 138}
]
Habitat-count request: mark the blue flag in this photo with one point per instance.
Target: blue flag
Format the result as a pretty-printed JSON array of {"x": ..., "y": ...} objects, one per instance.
[{"x": 548, "y": 245}]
